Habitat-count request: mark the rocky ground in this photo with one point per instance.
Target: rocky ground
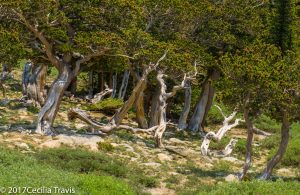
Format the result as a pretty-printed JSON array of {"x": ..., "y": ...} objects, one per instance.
[{"x": 177, "y": 166}]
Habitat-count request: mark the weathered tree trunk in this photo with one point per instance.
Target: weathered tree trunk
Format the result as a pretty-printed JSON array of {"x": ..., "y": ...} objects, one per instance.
[
  {"x": 182, "y": 124},
  {"x": 140, "y": 110},
  {"x": 198, "y": 115},
  {"x": 163, "y": 97},
  {"x": 49, "y": 110},
  {"x": 202, "y": 108},
  {"x": 248, "y": 156},
  {"x": 26, "y": 76},
  {"x": 114, "y": 85},
  {"x": 105, "y": 128},
  {"x": 36, "y": 85},
  {"x": 285, "y": 127},
  {"x": 123, "y": 88},
  {"x": 154, "y": 110}
]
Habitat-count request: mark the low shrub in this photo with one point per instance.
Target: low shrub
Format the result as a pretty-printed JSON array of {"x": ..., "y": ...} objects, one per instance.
[
  {"x": 108, "y": 106},
  {"x": 265, "y": 123},
  {"x": 247, "y": 187}
]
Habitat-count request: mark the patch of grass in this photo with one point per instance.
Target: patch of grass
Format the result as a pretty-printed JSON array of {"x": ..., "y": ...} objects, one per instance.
[
  {"x": 265, "y": 123},
  {"x": 21, "y": 170},
  {"x": 247, "y": 187},
  {"x": 222, "y": 166},
  {"x": 271, "y": 142},
  {"x": 83, "y": 161},
  {"x": 108, "y": 105}
]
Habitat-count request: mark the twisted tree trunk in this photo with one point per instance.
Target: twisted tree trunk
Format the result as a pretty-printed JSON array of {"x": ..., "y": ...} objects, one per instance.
[
  {"x": 285, "y": 127},
  {"x": 36, "y": 85},
  {"x": 49, "y": 110}
]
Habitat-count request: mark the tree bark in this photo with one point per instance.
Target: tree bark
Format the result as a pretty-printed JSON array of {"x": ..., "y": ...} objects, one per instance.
[
  {"x": 182, "y": 124},
  {"x": 250, "y": 131},
  {"x": 123, "y": 88},
  {"x": 198, "y": 115},
  {"x": 140, "y": 110},
  {"x": 49, "y": 110},
  {"x": 36, "y": 85},
  {"x": 285, "y": 127},
  {"x": 154, "y": 110}
]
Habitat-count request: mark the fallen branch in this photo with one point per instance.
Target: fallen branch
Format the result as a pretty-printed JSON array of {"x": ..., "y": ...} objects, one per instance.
[{"x": 104, "y": 128}]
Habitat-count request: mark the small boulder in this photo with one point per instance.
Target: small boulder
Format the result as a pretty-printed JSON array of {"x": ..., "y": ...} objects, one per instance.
[
  {"x": 231, "y": 178},
  {"x": 164, "y": 157}
]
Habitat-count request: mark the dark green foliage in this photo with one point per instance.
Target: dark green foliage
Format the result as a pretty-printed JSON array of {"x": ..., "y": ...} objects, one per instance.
[{"x": 108, "y": 105}]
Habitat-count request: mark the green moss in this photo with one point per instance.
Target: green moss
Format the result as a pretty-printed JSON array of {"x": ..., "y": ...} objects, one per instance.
[{"x": 105, "y": 146}]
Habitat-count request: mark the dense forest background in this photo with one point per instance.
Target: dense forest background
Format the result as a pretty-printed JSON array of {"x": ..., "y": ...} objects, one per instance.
[{"x": 158, "y": 71}]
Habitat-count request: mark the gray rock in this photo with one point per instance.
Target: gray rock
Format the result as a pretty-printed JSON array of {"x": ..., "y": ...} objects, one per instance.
[{"x": 164, "y": 157}]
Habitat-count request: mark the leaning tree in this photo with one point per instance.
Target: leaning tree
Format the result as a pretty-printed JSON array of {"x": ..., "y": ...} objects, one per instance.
[{"x": 68, "y": 35}]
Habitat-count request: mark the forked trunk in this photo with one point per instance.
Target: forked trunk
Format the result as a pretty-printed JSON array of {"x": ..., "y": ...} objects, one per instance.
[
  {"x": 250, "y": 131},
  {"x": 49, "y": 110},
  {"x": 285, "y": 127},
  {"x": 186, "y": 108},
  {"x": 36, "y": 85},
  {"x": 137, "y": 90}
]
